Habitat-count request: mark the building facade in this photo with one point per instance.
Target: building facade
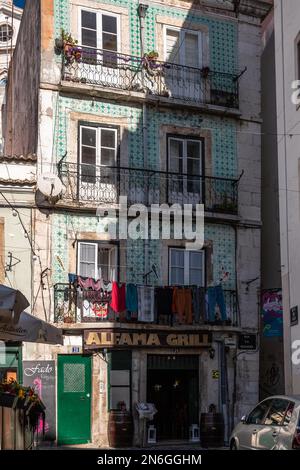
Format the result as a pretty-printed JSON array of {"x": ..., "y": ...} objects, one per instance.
[
  {"x": 286, "y": 20},
  {"x": 159, "y": 102}
]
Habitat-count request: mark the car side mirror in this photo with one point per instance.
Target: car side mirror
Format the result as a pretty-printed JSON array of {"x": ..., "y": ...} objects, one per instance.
[{"x": 244, "y": 419}]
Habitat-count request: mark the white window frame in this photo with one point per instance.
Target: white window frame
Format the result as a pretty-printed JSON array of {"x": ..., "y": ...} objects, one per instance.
[
  {"x": 95, "y": 245},
  {"x": 184, "y": 156},
  {"x": 182, "y": 32},
  {"x": 96, "y": 248},
  {"x": 99, "y": 14},
  {"x": 98, "y": 130},
  {"x": 187, "y": 267}
]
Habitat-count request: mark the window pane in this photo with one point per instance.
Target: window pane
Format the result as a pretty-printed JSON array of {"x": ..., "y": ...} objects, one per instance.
[
  {"x": 172, "y": 46},
  {"x": 258, "y": 414},
  {"x": 109, "y": 24},
  {"x": 88, "y": 19},
  {"x": 196, "y": 259},
  {"x": 88, "y": 155},
  {"x": 119, "y": 394},
  {"x": 88, "y": 174},
  {"x": 191, "y": 50},
  {"x": 177, "y": 258},
  {"x": 89, "y": 38},
  {"x": 193, "y": 167},
  {"x": 87, "y": 252},
  {"x": 108, "y": 138},
  {"x": 196, "y": 277},
  {"x": 175, "y": 155},
  {"x": 193, "y": 149},
  {"x": 88, "y": 137},
  {"x": 276, "y": 413},
  {"x": 107, "y": 157},
  {"x": 177, "y": 276},
  {"x": 288, "y": 413},
  {"x": 120, "y": 377},
  {"x": 109, "y": 42}
]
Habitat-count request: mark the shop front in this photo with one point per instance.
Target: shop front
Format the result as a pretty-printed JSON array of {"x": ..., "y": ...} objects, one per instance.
[{"x": 165, "y": 367}]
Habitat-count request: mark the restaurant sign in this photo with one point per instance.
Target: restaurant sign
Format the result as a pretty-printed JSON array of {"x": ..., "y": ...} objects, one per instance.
[{"x": 122, "y": 339}]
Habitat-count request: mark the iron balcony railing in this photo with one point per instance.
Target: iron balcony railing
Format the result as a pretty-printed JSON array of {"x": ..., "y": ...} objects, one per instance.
[
  {"x": 77, "y": 305},
  {"x": 126, "y": 72},
  {"x": 91, "y": 184}
]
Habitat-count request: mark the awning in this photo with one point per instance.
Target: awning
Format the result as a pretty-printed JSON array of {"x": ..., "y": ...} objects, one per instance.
[
  {"x": 32, "y": 330},
  {"x": 12, "y": 304}
]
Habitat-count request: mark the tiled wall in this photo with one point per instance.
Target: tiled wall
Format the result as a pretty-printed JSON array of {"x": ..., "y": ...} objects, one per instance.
[
  {"x": 223, "y": 130},
  {"x": 222, "y": 237},
  {"x": 222, "y": 33}
]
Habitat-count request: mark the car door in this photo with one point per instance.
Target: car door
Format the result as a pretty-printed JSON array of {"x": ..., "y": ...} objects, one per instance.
[
  {"x": 247, "y": 431},
  {"x": 267, "y": 435}
]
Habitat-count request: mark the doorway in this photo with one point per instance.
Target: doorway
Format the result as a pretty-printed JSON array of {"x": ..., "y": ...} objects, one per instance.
[
  {"x": 74, "y": 399},
  {"x": 172, "y": 385}
]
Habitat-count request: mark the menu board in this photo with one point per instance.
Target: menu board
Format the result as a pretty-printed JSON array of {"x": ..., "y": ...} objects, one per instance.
[{"x": 41, "y": 376}]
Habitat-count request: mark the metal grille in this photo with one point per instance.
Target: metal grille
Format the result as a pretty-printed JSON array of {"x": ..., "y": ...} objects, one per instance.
[{"x": 74, "y": 378}]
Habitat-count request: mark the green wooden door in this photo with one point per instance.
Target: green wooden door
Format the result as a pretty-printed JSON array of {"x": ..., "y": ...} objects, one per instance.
[{"x": 74, "y": 399}]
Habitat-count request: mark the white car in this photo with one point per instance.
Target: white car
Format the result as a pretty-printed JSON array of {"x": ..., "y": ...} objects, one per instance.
[{"x": 274, "y": 424}]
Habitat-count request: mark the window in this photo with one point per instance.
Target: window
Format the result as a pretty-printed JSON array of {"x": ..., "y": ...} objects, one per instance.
[
  {"x": 6, "y": 32},
  {"x": 288, "y": 413},
  {"x": 185, "y": 158},
  {"x": 257, "y": 415},
  {"x": 119, "y": 379},
  {"x": 186, "y": 267},
  {"x": 276, "y": 412},
  {"x": 98, "y": 148},
  {"x": 97, "y": 260},
  {"x": 183, "y": 47},
  {"x": 100, "y": 30}
]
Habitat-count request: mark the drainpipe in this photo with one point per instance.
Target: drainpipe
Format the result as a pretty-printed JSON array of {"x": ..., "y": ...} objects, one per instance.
[{"x": 142, "y": 11}]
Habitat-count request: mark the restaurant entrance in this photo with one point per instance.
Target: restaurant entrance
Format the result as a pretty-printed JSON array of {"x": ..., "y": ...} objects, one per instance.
[{"x": 172, "y": 385}]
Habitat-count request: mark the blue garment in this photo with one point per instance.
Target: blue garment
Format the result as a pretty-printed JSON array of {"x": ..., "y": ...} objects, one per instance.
[
  {"x": 131, "y": 298},
  {"x": 72, "y": 278},
  {"x": 216, "y": 297}
]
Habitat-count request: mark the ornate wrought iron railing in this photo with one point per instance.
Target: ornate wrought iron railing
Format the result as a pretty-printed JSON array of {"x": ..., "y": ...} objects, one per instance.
[
  {"x": 98, "y": 67},
  {"x": 102, "y": 184},
  {"x": 77, "y": 305}
]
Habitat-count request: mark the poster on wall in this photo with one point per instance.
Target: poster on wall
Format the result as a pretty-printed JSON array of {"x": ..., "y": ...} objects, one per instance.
[
  {"x": 272, "y": 313},
  {"x": 41, "y": 376}
]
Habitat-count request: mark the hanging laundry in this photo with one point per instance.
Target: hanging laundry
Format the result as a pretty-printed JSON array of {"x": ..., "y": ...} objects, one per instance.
[
  {"x": 216, "y": 298},
  {"x": 132, "y": 301},
  {"x": 145, "y": 304},
  {"x": 85, "y": 282},
  {"x": 95, "y": 285},
  {"x": 182, "y": 304},
  {"x": 198, "y": 294},
  {"x": 72, "y": 278},
  {"x": 106, "y": 286},
  {"x": 118, "y": 298},
  {"x": 163, "y": 301}
]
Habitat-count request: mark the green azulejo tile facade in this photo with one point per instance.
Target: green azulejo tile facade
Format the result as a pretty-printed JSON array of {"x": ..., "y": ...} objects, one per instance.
[{"x": 222, "y": 33}]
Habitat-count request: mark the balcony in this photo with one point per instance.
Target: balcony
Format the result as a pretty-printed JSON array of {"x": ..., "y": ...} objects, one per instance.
[
  {"x": 90, "y": 185},
  {"x": 73, "y": 305},
  {"x": 154, "y": 78}
]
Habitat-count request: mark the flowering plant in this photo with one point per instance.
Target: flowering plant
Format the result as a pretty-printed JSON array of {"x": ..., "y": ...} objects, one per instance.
[
  {"x": 69, "y": 46},
  {"x": 14, "y": 389}
]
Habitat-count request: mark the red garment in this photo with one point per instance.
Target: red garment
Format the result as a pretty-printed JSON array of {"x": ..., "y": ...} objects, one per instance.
[{"x": 118, "y": 298}]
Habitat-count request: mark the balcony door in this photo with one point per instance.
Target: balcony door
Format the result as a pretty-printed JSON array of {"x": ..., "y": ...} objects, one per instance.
[
  {"x": 186, "y": 267},
  {"x": 99, "y": 34},
  {"x": 185, "y": 179},
  {"x": 98, "y": 164},
  {"x": 183, "y": 49},
  {"x": 96, "y": 261}
]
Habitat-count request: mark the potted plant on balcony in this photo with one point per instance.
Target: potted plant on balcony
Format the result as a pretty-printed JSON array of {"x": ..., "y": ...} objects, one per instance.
[
  {"x": 67, "y": 45},
  {"x": 149, "y": 62}
]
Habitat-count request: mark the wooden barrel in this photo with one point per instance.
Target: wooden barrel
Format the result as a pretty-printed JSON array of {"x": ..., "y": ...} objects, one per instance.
[
  {"x": 120, "y": 429},
  {"x": 212, "y": 430}
]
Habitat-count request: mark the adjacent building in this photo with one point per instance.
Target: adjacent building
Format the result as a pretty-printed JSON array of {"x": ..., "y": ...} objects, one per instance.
[
  {"x": 159, "y": 102},
  {"x": 287, "y": 47}
]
